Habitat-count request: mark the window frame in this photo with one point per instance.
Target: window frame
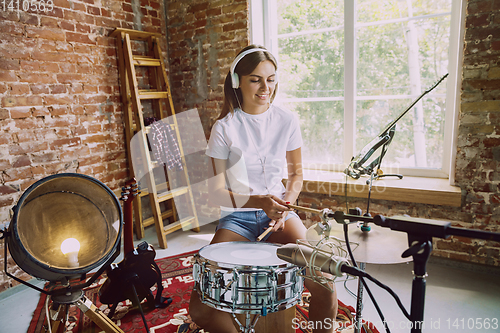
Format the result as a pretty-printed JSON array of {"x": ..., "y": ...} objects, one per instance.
[{"x": 263, "y": 31}]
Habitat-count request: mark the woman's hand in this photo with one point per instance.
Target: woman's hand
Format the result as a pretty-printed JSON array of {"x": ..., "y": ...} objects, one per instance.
[
  {"x": 274, "y": 207},
  {"x": 278, "y": 225}
]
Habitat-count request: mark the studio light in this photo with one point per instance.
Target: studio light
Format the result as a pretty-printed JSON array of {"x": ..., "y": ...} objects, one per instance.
[{"x": 65, "y": 226}]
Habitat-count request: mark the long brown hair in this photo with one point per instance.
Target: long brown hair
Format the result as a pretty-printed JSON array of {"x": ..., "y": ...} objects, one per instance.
[{"x": 244, "y": 67}]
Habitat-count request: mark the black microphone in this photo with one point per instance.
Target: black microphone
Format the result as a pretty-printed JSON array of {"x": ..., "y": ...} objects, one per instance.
[{"x": 301, "y": 255}]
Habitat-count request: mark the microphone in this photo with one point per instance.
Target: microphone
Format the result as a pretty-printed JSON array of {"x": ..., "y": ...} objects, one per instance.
[
  {"x": 322, "y": 229},
  {"x": 305, "y": 256}
]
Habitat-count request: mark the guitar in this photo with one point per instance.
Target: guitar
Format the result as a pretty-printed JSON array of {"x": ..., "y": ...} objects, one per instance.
[{"x": 134, "y": 276}]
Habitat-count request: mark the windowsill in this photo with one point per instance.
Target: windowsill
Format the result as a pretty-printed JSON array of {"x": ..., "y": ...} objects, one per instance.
[{"x": 434, "y": 191}]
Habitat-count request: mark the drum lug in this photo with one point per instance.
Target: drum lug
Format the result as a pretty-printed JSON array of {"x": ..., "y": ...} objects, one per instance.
[
  {"x": 236, "y": 278},
  {"x": 263, "y": 311}
]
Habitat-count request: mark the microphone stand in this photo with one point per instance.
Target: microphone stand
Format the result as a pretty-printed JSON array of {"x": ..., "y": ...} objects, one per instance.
[
  {"x": 356, "y": 168},
  {"x": 420, "y": 233}
]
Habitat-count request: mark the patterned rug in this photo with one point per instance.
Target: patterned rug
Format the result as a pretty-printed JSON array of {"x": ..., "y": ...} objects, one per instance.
[{"x": 178, "y": 282}]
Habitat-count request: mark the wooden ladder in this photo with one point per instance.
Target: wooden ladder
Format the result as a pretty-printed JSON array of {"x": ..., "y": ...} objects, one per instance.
[{"x": 157, "y": 97}]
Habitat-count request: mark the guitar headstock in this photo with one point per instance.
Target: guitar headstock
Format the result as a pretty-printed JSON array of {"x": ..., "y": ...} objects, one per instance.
[{"x": 130, "y": 190}]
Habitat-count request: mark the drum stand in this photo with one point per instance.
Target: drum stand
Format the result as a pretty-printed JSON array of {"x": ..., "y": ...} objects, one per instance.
[{"x": 249, "y": 323}]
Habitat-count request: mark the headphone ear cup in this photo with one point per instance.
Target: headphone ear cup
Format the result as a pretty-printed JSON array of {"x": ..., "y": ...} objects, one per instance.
[{"x": 235, "y": 79}]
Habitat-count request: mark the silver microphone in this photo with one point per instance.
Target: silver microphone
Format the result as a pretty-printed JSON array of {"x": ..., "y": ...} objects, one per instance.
[{"x": 304, "y": 256}]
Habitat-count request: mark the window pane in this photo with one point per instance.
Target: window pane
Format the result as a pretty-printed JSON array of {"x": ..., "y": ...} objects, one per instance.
[
  {"x": 311, "y": 60},
  {"x": 374, "y": 115},
  {"x": 300, "y": 15},
  {"x": 380, "y": 10},
  {"x": 322, "y": 126},
  {"x": 382, "y": 66},
  {"x": 312, "y": 65},
  {"x": 403, "y": 58},
  {"x": 401, "y": 50}
]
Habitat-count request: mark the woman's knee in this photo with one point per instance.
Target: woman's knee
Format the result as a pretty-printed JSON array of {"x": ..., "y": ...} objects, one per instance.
[{"x": 197, "y": 310}]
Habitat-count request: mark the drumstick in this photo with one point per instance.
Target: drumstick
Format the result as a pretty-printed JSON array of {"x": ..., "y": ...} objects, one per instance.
[
  {"x": 306, "y": 209},
  {"x": 268, "y": 230}
]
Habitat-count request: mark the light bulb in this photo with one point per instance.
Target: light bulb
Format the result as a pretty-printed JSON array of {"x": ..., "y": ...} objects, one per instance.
[{"x": 70, "y": 248}]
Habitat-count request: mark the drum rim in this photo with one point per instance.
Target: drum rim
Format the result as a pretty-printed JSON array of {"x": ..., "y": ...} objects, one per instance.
[
  {"x": 250, "y": 308},
  {"x": 223, "y": 264}
]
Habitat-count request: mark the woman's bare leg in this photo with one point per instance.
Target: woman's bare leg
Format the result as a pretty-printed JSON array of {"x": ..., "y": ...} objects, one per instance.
[{"x": 323, "y": 305}]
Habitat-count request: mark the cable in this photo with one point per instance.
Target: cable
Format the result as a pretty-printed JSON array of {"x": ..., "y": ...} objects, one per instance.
[
  {"x": 349, "y": 291},
  {"x": 379, "y": 311},
  {"x": 390, "y": 291},
  {"x": 363, "y": 274},
  {"x": 348, "y": 246}
]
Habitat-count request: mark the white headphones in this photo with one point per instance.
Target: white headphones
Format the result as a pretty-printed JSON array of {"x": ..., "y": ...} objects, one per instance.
[{"x": 235, "y": 79}]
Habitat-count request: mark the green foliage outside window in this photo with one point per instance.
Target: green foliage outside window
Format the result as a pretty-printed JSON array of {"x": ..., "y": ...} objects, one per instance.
[{"x": 311, "y": 55}]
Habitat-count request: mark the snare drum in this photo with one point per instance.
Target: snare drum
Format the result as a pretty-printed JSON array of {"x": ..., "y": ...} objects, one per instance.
[{"x": 246, "y": 277}]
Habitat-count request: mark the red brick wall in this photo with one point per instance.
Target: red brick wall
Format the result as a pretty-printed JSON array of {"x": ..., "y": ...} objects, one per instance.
[
  {"x": 203, "y": 39},
  {"x": 478, "y": 154},
  {"x": 60, "y": 104}
]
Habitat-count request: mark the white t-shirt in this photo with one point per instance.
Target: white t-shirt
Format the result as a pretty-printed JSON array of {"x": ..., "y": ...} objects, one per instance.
[{"x": 255, "y": 147}]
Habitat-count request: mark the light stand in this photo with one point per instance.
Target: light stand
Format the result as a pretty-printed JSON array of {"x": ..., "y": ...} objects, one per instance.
[
  {"x": 63, "y": 227},
  {"x": 420, "y": 233}
]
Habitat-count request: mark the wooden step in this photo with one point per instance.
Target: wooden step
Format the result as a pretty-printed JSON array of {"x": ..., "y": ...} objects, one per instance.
[
  {"x": 159, "y": 188},
  {"x": 152, "y": 94},
  {"x": 135, "y": 34},
  {"x": 150, "y": 221},
  {"x": 181, "y": 224},
  {"x": 146, "y": 61},
  {"x": 170, "y": 194}
]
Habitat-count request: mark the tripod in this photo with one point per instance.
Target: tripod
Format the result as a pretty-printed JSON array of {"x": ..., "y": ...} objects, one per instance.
[{"x": 60, "y": 307}]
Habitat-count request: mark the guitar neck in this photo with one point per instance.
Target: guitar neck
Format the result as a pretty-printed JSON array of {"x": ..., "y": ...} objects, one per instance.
[
  {"x": 128, "y": 234},
  {"x": 130, "y": 191}
]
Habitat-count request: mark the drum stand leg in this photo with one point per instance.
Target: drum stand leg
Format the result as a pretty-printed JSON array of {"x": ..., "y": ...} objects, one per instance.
[
  {"x": 249, "y": 323},
  {"x": 60, "y": 306},
  {"x": 91, "y": 311},
  {"x": 359, "y": 302}
]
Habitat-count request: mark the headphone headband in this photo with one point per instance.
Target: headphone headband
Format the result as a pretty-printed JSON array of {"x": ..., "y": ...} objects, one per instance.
[{"x": 235, "y": 80}]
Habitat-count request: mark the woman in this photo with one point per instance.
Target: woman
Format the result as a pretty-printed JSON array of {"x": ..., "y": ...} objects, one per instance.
[{"x": 250, "y": 143}]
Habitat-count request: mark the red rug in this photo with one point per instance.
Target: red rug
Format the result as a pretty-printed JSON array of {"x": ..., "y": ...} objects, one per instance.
[{"x": 178, "y": 282}]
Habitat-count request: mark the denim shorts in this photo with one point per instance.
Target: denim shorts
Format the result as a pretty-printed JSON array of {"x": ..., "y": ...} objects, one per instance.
[{"x": 249, "y": 224}]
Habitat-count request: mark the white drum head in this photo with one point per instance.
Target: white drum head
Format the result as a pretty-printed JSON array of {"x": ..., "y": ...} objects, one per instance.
[{"x": 243, "y": 253}]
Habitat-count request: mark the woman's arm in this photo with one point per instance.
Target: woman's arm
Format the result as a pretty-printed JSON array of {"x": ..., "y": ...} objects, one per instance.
[
  {"x": 295, "y": 175},
  {"x": 293, "y": 185},
  {"x": 219, "y": 195}
]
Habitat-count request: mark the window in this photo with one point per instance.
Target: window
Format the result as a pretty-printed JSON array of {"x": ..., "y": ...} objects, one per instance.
[{"x": 350, "y": 67}]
